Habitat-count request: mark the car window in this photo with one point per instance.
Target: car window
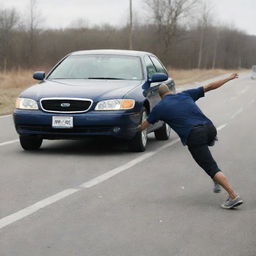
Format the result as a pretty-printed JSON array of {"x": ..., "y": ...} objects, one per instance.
[
  {"x": 158, "y": 65},
  {"x": 99, "y": 67},
  {"x": 150, "y": 67}
]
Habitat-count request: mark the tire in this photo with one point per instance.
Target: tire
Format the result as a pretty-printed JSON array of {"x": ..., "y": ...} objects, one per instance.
[
  {"x": 163, "y": 133},
  {"x": 30, "y": 142},
  {"x": 139, "y": 142}
]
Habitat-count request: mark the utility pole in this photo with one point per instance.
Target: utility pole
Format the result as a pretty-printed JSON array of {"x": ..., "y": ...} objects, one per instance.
[{"x": 130, "y": 28}]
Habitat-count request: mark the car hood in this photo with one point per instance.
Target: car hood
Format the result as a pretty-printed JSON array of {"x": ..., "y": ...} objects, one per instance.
[{"x": 91, "y": 89}]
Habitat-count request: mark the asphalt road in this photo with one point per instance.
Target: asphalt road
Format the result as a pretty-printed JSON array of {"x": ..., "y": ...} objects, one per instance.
[{"x": 95, "y": 198}]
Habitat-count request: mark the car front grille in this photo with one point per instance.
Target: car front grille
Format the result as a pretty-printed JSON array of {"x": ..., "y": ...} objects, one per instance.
[{"x": 65, "y": 105}]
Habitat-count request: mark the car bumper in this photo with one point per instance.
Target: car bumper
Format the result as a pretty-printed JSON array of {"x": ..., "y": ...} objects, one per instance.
[{"x": 37, "y": 122}]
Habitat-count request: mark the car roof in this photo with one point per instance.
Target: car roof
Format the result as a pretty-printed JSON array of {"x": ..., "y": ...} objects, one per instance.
[{"x": 113, "y": 52}]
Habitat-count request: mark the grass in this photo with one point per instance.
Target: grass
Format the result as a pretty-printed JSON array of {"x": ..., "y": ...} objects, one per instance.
[{"x": 12, "y": 83}]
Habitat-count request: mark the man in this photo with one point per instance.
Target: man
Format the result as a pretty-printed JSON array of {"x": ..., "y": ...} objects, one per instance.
[{"x": 195, "y": 130}]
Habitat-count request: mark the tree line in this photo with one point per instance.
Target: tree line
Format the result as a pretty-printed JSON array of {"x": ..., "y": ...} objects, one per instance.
[{"x": 174, "y": 34}]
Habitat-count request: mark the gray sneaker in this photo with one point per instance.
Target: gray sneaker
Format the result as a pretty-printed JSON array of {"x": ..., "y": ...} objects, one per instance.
[
  {"x": 229, "y": 203},
  {"x": 216, "y": 188}
]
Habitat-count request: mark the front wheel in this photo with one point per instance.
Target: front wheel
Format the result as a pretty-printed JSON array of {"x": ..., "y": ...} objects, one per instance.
[
  {"x": 139, "y": 142},
  {"x": 31, "y": 142},
  {"x": 163, "y": 133}
]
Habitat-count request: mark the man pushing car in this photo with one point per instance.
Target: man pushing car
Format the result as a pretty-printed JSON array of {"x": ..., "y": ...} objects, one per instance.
[{"x": 195, "y": 130}]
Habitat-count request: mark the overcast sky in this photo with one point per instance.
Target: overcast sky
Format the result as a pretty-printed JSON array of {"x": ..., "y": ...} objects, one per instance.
[{"x": 62, "y": 13}]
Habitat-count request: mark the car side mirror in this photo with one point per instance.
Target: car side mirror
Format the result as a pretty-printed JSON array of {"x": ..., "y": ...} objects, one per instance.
[
  {"x": 158, "y": 77},
  {"x": 39, "y": 75}
]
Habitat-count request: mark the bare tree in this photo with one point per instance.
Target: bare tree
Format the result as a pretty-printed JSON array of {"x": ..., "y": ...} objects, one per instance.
[
  {"x": 203, "y": 23},
  {"x": 215, "y": 49},
  {"x": 218, "y": 47},
  {"x": 33, "y": 25},
  {"x": 8, "y": 20},
  {"x": 166, "y": 15},
  {"x": 79, "y": 23}
]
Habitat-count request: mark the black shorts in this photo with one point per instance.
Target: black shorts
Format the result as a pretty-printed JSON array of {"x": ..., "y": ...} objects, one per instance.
[{"x": 198, "y": 142}]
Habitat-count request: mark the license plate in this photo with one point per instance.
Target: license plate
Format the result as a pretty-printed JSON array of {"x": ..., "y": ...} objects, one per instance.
[{"x": 62, "y": 121}]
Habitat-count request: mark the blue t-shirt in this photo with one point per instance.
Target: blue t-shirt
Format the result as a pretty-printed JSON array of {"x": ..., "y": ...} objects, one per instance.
[{"x": 180, "y": 112}]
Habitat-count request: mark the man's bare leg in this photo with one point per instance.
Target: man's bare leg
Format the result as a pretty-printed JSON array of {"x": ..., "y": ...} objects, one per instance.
[{"x": 223, "y": 181}]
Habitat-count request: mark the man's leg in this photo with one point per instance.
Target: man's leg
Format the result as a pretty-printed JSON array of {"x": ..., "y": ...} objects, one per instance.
[
  {"x": 234, "y": 199},
  {"x": 220, "y": 178},
  {"x": 198, "y": 142},
  {"x": 203, "y": 157}
]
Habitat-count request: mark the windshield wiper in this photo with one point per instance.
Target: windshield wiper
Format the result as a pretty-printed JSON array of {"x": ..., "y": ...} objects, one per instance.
[{"x": 107, "y": 78}]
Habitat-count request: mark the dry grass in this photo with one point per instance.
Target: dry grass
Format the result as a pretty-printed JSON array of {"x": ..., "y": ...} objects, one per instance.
[
  {"x": 16, "y": 79},
  {"x": 11, "y": 85},
  {"x": 13, "y": 82}
]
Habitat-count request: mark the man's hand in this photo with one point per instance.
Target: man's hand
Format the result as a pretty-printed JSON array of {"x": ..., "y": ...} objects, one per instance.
[
  {"x": 143, "y": 126},
  {"x": 140, "y": 127},
  {"x": 233, "y": 76}
]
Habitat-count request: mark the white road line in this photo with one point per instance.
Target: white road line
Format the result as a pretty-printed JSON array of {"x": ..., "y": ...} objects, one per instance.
[
  {"x": 8, "y": 142},
  {"x": 240, "y": 110},
  {"x": 5, "y": 116},
  {"x": 35, "y": 207},
  {"x": 10, "y": 219},
  {"x": 115, "y": 171},
  {"x": 124, "y": 167},
  {"x": 65, "y": 193},
  {"x": 221, "y": 127},
  {"x": 244, "y": 90}
]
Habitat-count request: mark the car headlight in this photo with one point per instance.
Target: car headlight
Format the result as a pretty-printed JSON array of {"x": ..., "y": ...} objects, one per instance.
[
  {"x": 115, "y": 104},
  {"x": 24, "y": 103}
]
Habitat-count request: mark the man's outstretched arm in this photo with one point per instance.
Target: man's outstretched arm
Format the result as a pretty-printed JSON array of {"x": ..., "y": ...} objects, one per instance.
[{"x": 219, "y": 83}]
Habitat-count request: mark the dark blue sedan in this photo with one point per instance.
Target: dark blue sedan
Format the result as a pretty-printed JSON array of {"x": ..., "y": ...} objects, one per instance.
[{"x": 88, "y": 93}]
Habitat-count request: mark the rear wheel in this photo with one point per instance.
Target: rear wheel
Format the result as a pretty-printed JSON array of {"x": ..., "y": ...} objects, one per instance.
[
  {"x": 163, "y": 133},
  {"x": 139, "y": 142},
  {"x": 30, "y": 142}
]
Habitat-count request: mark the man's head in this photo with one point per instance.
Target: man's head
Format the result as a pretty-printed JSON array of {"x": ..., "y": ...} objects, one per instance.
[{"x": 163, "y": 90}]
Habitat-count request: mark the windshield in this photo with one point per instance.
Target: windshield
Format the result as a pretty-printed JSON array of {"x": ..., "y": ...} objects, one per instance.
[{"x": 99, "y": 67}]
